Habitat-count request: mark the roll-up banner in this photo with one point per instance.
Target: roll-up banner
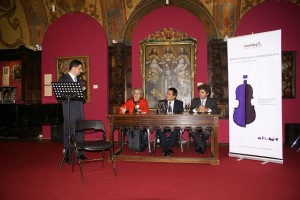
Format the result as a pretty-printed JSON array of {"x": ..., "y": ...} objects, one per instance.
[{"x": 255, "y": 102}]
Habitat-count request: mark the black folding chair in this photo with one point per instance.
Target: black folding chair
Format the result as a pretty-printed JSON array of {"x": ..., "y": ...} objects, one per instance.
[{"x": 100, "y": 144}]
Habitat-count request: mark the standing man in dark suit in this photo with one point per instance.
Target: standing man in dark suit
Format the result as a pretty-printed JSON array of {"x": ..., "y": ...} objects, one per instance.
[
  {"x": 174, "y": 106},
  {"x": 203, "y": 104},
  {"x": 76, "y": 108}
]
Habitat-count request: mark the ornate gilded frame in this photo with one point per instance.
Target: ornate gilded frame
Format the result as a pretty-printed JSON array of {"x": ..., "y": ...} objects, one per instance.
[
  {"x": 162, "y": 70},
  {"x": 63, "y": 68}
]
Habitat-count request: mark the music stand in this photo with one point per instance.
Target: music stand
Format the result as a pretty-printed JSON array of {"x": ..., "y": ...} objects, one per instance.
[{"x": 68, "y": 91}]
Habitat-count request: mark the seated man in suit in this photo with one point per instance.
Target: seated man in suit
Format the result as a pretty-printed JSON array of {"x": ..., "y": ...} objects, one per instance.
[
  {"x": 168, "y": 137},
  {"x": 203, "y": 104}
]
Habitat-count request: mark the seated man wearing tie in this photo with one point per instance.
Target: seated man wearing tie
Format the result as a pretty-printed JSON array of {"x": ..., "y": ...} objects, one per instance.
[
  {"x": 168, "y": 137},
  {"x": 203, "y": 104}
]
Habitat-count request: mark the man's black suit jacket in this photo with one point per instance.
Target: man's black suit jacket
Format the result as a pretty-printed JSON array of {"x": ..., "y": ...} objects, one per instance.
[
  {"x": 167, "y": 143},
  {"x": 76, "y": 110},
  {"x": 210, "y": 103},
  {"x": 177, "y": 108}
]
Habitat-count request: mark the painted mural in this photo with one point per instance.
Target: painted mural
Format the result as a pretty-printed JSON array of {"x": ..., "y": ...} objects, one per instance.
[{"x": 25, "y": 22}]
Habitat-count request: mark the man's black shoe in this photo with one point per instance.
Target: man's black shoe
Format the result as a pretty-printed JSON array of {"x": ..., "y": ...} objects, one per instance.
[
  {"x": 68, "y": 160},
  {"x": 82, "y": 157},
  {"x": 170, "y": 151},
  {"x": 167, "y": 153},
  {"x": 199, "y": 150},
  {"x": 203, "y": 148}
]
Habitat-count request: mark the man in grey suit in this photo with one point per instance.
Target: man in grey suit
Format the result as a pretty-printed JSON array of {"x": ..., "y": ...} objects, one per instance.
[
  {"x": 76, "y": 108},
  {"x": 203, "y": 104},
  {"x": 173, "y": 106}
]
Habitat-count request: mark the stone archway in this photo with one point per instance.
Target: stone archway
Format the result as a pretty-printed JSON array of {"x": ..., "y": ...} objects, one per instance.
[{"x": 145, "y": 7}]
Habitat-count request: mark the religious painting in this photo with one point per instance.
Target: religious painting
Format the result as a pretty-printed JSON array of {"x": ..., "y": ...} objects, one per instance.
[
  {"x": 288, "y": 79},
  {"x": 63, "y": 68},
  {"x": 166, "y": 65},
  {"x": 16, "y": 72}
]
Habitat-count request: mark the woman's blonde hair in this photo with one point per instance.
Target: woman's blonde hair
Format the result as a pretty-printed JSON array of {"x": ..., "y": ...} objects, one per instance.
[{"x": 139, "y": 90}]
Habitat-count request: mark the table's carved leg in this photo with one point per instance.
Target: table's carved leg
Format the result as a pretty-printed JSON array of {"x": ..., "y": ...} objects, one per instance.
[
  {"x": 149, "y": 142},
  {"x": 180, "y": 140},
  {"x": 212, "y": 143},
  {"x": 111, "y": 138},
  {"x": 122, "y": 137},
  {"x": 189, "y": 141},
  {"x": 154, "y": 143},
  {"x": 120, "y": 141},
  {"x": 216, "y": 143}
]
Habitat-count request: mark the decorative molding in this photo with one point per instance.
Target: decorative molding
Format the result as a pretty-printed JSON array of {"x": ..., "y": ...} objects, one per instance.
[
  {"x": 8, "y": 12},
  {"x": 168, "y": 35}
]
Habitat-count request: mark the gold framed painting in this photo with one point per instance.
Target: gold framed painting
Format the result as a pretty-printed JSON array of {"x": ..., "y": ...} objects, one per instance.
[
  {"x": 165, "y": 65},
  {"x": 63, "y": 68},
  {"x": 16, "y": 72},
  {"x": 288, "y": 69}
]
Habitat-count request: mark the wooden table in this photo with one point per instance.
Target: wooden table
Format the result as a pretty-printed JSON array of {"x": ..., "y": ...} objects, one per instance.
[{"x": 153, "y": 121}]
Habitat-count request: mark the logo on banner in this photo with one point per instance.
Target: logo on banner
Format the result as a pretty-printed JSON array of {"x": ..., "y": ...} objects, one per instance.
[
  {"x": 245, "y": 112},
  {"x": 252, "y": 45},
  {"x": 272, "y": 139}
]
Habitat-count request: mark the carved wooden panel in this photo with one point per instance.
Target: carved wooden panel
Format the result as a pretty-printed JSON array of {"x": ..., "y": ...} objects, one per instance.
[
  {"x": 218, "y": 73},
  {"x": 119, "y": 75}
]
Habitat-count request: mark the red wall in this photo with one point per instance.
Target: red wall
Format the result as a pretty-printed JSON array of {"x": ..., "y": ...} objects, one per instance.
[
  {"x": 271, "y": 15},
  {"x": 79, "y": 34},
  {"x": 185, "y": 22},
  {"x": 275, "y": 15},
  {"x": 165, "y": 18}
]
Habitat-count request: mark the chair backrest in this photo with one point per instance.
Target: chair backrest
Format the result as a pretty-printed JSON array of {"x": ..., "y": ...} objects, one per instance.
[{"x": 90, "y": 126}]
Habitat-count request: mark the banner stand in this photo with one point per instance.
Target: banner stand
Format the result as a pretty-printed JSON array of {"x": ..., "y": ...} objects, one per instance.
[{"x": 255, "y": 98}]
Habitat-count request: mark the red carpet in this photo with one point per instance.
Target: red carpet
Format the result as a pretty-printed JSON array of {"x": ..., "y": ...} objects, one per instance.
[{"x": 29, "y": 170}]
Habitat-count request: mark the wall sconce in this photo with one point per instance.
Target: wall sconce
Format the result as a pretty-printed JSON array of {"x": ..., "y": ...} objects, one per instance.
[
  {"x": 37, "y": 47},
  {"x": 53, "y": 8},
  {"x": 225, "y": 38}
]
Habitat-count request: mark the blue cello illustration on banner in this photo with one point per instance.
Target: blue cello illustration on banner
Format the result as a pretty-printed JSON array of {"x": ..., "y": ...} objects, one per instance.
[{"x": 245, "y": 113}]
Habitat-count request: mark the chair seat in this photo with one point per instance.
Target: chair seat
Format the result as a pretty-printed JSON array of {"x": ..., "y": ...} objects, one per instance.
[{"x": 98, "y": 145}]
